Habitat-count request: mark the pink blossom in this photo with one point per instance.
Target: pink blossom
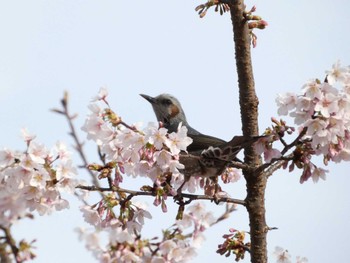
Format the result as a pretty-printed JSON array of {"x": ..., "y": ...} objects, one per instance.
[
  {"x": 300, "y": 117},
  {"x": 178, "y": 141},
  {"x": 231, "y": 175},
  {"x": 318, "y": 173},
  {"x": 286, "y": 102},
  {"x": 39, "y": 178},
  {"x": 130, "y": 257},
  {"x": 327, "y": 105},
  {"x": 95, "y": 126},
  {"x": 27, "y": 136},
  {"x": 14, "y": 182},
  {"x": 163, "y": 159},
  {"x": 337, "y": 73},
  {"x": 93, "y": 241},
  {"x": 102, "y": 95},
  {"x": 342, "y": 155},
  {"x": 182, "y": 253},
  {"x": 158, "y": 260},
  {"x": 312, "y": 90},
  {"x": 185, "y": 222},
  {"x": 191, "y": 185},
  {"x": 198, "y": 240},
  {"x": 317, "y": 130},
  {"x": 270, "y": 154},
  {"x": 90, "y": 215},
  {"x": 133, "y": 227},
  {"x": 67, "y": 185},
  {"x": 60, "y": 149},
  {"x": 197, "y": 210},
  {"x": 167, "y": 246},
  {"x": 175, "y": 166},
  {"x": 282, "y": 255},
  {"x": 141, "y": 214},
  {"x": 143, "y": 167},
  {"x": 37, "y": 152},
  {"x": 344, "y": 105},
  {"x": 7, "y": 157},
  {"x": 302, "y": 260},
  {"x": 65, "y": 170},
  {"x": 118, "y": 235},
  {"x": 156, "y": 136}
]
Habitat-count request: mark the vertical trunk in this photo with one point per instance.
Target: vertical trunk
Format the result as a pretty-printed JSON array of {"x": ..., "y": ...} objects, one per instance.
[{"x": 256, "y": 183}]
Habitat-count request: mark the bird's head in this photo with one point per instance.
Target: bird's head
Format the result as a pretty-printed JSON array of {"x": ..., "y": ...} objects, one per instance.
[{"x": 168, "y": 110}]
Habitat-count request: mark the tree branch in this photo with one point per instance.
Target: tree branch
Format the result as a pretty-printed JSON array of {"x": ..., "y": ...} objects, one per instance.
[{"x": 191, "y": 197}]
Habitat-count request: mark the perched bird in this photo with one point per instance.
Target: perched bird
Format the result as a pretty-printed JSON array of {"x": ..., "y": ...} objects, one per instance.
[
  {"x": 168, "y": 110},
  {"x": 208, "y": 155}
]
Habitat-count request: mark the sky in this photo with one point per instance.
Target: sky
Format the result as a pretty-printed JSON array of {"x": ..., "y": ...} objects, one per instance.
[{"x": 133, "y": 47}]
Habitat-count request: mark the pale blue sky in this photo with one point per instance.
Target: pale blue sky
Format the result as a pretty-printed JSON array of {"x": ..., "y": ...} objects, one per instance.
[{"x": 152, "y": 47}]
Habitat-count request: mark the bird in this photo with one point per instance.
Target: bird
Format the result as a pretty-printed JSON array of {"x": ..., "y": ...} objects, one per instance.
[
  {"x": 207, "y": 156},
  {"x": 169, "y": 111}
]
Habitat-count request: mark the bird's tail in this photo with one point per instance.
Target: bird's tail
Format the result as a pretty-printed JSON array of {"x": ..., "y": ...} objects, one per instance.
[{"x": 228, "y": 151}]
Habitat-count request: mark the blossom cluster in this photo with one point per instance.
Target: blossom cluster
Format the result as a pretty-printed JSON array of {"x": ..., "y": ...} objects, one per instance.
[
  {"x": 124, "y": 245},
  {"x": 322, "y": 112},
  {"x": 153, "y": 153},
  {"x": 33, "y": 180},
  {"x": 135, "y": 151},
  {"x": 234, "y": 244},
  {"x": 150, "y": 152}
]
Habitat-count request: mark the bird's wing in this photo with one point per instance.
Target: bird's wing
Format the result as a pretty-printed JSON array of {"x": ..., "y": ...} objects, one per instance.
[{"x": 202, "y": 142}]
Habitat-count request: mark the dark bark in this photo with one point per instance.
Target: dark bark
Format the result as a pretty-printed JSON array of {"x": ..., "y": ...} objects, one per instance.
[{"x": 255, "y": 182}]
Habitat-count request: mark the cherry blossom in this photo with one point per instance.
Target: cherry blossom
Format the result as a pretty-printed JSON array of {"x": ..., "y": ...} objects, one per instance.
[
  {"x": 282, "y": 255},
  {"x": 156, "y": 136},
  {"x": 301, "y": 260},
  {"x": 102, "y": 95},
  {"x": 125, "y": 246},
  {"x": 27, "y": 137},
  {"x": 34, "y": 180},
  {"x": 90, "y": 215},
  {"x": 7, "y": 157},
  {"x": 322, "y": 113},
  {"x": 178, "y": 141},
  {"x": 338, "y": 73}
]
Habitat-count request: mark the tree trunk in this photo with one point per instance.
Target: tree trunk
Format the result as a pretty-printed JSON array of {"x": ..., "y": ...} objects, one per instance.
[{"x": 255, "y": 182}]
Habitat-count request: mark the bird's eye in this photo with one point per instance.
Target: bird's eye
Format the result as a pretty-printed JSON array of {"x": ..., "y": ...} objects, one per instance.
[
  {"x": 165, "y": 120},
  {"x": 167, "y": 102}
]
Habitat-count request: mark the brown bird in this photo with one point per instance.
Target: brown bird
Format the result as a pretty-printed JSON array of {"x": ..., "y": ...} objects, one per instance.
[
  {"x": 208, "y": 156},
  {"x": 168, "y": 110}
]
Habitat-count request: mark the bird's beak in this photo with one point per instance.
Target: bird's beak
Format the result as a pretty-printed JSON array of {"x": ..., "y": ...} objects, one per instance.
[{"x": 148, "y": 98}]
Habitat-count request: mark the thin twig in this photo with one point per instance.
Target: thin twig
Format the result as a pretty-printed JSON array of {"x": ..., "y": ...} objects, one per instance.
[
  {"x": 297, "y": 139},
  {"x": 225, "y": 215},
  {"x": 128, "y": 126},
  {"x": 274, "y": 167},
  {"x": 272, "y": 164},
  {"x": 11, "y": 242},
  {"x": 140, "y": 193},
  {"x": 73, "y": 133}
]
